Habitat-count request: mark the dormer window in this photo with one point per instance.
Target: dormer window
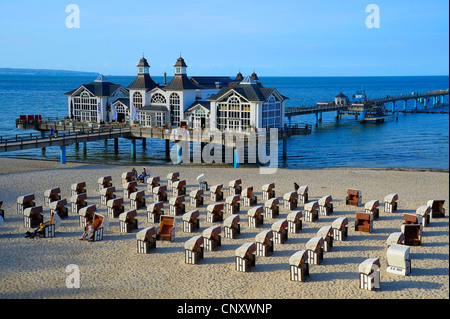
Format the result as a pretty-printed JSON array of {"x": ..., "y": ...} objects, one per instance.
[
  {"x": 141, "y": 70},
  {"x": 178, "y": 70}
]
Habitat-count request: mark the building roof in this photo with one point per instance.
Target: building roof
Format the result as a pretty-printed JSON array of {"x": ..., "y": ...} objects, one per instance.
[
  {"x": 205, "y": 104},
  {"x": 180, "y": 63},
  {"x": 210, "y": 81},
  {"x": 255, "y": 77},
  {"x": 123, "y": 100},
  {"x": 153, "y": 108},
  {"x": 99, "y": 87},
  {"x": 143, "y": 63},
  {"x": 239, "y": 77},
  {"x": 342, "y": 95},
  {"x": 180, "y": 82},
  {"x": 142, "y": 81}
]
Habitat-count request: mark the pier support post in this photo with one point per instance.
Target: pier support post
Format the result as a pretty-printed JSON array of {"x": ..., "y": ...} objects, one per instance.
[
  {"x": 284, "y": 148},
  {"x": 425, "y": 100},
  {"x": 84, "y": 147},
  {"x": 362, "y": 116},
  {"x": 63, "y": 154},
  {"x": 396, "y": 116},
  {"x": 405, "y": 103},
  {"x": 116, "y": 145},
  {"x": 179, "y": 154},
  {"x": 144, "y": 143},
  {"x": 320, "y": 117},
  {"x": 415, "y": 105},
  {"x": 317, "y": 119},
  {"x": 289, "y": 121},
  {"x": 43, "y": 149},
  {"x": 236, "y": 158},
  {"x": 393, "y": 106},
  {"x": 337, "y": 115},
  {"x": 133, "y": 148},
  {"x": 167, "y": 150}
]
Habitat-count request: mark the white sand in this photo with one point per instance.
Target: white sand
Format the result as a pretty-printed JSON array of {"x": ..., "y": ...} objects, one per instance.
[{"x": 35, "y": 268}]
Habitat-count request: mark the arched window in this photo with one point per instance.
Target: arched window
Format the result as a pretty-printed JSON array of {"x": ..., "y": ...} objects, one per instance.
[
  {"x": 158, "y": 98},
  {"x": 85, "y": 107},
  {"x": 137, "y": 100},
  {"x": 175, "y": 109}
]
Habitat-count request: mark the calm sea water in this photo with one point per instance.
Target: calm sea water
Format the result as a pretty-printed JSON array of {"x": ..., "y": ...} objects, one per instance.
[{"x": 414, "y": 141}]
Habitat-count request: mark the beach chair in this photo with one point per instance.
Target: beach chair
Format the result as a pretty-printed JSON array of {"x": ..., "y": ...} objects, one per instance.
[
  {"x": 314, "y": 247},
  {"x": 364, "y": 222},
  {"x": 390, "y": 203},
  {"x": 437, "y": 208},
  {"x": 179, "y": 188},
  {"x": 128, "y": 177},
  {"x": 137, "y": 200},
  {"x": 104, "y": 182},
  {"x": 106, "y": 194},
  {"x": 412, "y": 219},
  {"x": 264, "y": 243},
  {"x": 166, "y": 230},
  {"x": 212, "y": 238},
  {"x": 146, "y": 240},
  {"x": 231, "y": 227},
  {"x": 280, "y": 231},
  {"x": 369, "y": 274},
  {"x": 159, "y": 193},
  {"x": 326, "y": 232},
  {"x": 354, "y": 197},
  {"x": 216, "y": 193},
  {"x": 171, "y": 178},
  {"x": 248, "y": 197},
  {"x": 32, "y": 216},
  {"x": 340, "y": 228},
  {"x": 325, "y": 205},
  {"x": 271, "y": 208},
  {"x": 51, "y": 195},
  {"x": 214, "y": 212},
  {"x": 372, "y": 207},
  {"x": 398, "y": 260},
  {"x": 235, "y": 187},
  {"x": 78, "y": 188},
  {"x": 294, "y": 221},
  {"x": 115, "y": 207},
  {"x": 245, "y": 257},
  {"x": 299, "y": 267},
  {"x": 51, "y": 225},
  {"x": 268, "y": 191},
  {"x": 412, "y": 234},
  {"x": 232, "y": 205},
  {"x": 128, "y": 221},
  {"x": 255, "y": 216},
  {"x": 99, "y": 222},
  {"x": 2, "y": 212},
  {"x": 152, "y": 182},
  {"x": 176, "y": 206},
  {"x": 424, "y": 212},
  {"x": 86, "y": 214},
  {"x": 24, "y": 202},
  {"x": 60, "y": 208},
  {"x": 396, "y": 238},
  {"x": 129, "y": 188},
  {"x": 196, "y": 198},
  {"x": 77, "y": 202},
  {"x": 193, "y": 250},
  {"x": 191, "y": 221},
  {"x": 154, "y": 212},
  {"x": 202, "y": 184},
  {"x": 302, "y": 193},
  {"x": 290, "y": 200},
  {"x": 311, "y": 211}
]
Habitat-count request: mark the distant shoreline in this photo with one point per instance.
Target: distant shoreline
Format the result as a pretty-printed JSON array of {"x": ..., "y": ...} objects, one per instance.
[{"x": 18, "y": 71}]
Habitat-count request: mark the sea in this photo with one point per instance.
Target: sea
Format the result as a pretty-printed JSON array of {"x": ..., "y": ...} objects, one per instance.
[{"x": 412, "y": 141}]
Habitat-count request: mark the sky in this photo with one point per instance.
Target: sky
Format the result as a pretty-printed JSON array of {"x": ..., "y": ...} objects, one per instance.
[{"x": 272, "y": 38}]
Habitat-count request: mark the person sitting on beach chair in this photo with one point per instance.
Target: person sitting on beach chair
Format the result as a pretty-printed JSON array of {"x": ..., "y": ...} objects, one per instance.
[
  {"x": 37, "y": 232},
  {"x": 141, "y": 178},
  {"x": 89, "y": 232}
]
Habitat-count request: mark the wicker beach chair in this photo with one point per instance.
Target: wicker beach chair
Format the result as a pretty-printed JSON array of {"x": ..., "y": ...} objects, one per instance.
[
  {"x": 202, "y": 184},
  {"x": 171, "y": 178},
  {"x": 214, "y": 212},
  {"x": 51, "y": 195},
  {"x": 268, "y": 191},
  {"x": 100, "y": 224},
  {"x": 364, "y": 222},
  {"x": 412, "y": 234},
  {"x": 396, "y": 238},
  {"x": 128, "y": 221},
  {"x": 106, "y": 194},
  {"x": 340, "y": 228},
  {"x": 299, "y": 267},
  {"x": 398, "y": 259},
  {"x": 129, "y": 188},
  {"x": 372, "y": 207},
  {"x": 146, "y": 240},
  {"x": 294, "y": 220},
  {"x": 245, "y": 257},
  {"x": 193, "y": 250},
  {"x": 271, "y": 207},
  {"x": 86, "y": 214},
  {"x": 290, "y": 200},
  {"x": 60, "y": 208},
  {"x": 390, "y": 203},
  {"x": 369, "y": 274},
  {"x": 160, "y": 193},
  {"x": 191, "y": 221},
  {"x": 78, "y": 188},
  {"x": 24, "y": 202},
  {"x": 314, "y": 246},
  {"x": 235, "y": 187},
  {"x": 137, "y": 200},
  {"x": 325, "y": 205},
  {"x": 2, "y": 212},
  {"x": 232, "y": 205},
  {"x": 354, "y": 197},
  {"x": 326, "y": 232},
  {"x": 128, "y": 177},
  {"x": 51, "y": 226},
  {"x": 154, "y": 212},
  {"x": 231, "y": 227},
  {"x": 167, "y": 227},
  {"x": 311, "y": 211},
  {"x": 115, "y": 207},
  {"x": 424, "y": 212},
  {"x": 255, "y": 216},
  {"x": 32, "y": 216},
  {"x": 104, "y": 182},
  {"x": 196, "y": 198},
  {"x": 280, "y": 231},
  {"x": 216, "y": 193},
  {"x": 152, "y": 182},
  {"x": 176, "y": 206},
  {"x": 437, "y": 208},
  {"x": 302, "y": 193},
  {"x": 264, "y": 243},
  {"x": 77, "y": 202},
  {"x": 248, "y": 197},
  {"x": 179, "y": 188},
  {"x": 212, "y": 238}
]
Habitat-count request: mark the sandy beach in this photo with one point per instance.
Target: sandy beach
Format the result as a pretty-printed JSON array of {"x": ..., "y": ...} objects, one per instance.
[{"x": 112, "y": 268}]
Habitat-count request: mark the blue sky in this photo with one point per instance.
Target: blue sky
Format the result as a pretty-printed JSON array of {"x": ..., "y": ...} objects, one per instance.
[{"x": 274, "y": 38}]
